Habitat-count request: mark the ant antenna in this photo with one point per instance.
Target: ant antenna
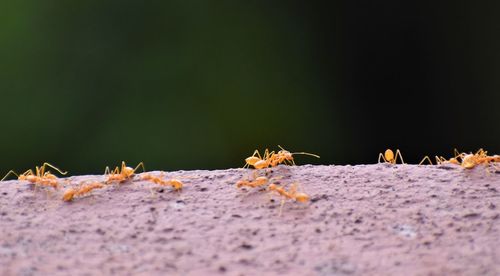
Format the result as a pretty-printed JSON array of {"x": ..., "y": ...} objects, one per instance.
[
  {"x": 303, "y": 153},
  {"x": 53, "y": 167}
]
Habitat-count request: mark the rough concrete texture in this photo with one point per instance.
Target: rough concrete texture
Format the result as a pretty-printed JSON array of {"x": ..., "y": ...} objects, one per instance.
[{"x": 362, "y": 220}]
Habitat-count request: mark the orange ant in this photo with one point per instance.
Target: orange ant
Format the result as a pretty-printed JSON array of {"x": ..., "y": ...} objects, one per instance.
[
  {"x": 272, "y": 159},
  {"x": 469, "y": 161},
  {"x": 175, "y": 183},
  {"x": 39, "y": 176},
  {"x": 284, "y": 156},
  {"x": 122, "y": 174},
  {"x": 258, "y": 182},
  {"x": 390, "y": 157},
  {"x": 82, "y": 190},
  {"x": 291, "y": 194}
]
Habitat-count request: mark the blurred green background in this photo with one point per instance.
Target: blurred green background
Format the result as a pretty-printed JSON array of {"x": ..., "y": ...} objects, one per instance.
[{"x": 201, "y": 84}]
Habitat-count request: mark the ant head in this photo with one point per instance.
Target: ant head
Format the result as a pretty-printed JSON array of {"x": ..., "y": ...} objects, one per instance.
[
  {"x": 301, "y": 197},
  {"x": 271, "y": 186},
  {"x": 68, "y": 195},
  {"x": 240, "y": 183},
  {"x": 30, "y": 178},
  {"x": 286, "y": 154},
  {"x": 177, "y": 184}
]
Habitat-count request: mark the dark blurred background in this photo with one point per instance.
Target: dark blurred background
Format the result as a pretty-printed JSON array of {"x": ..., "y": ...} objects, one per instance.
[{"x": 201, "y": 84}]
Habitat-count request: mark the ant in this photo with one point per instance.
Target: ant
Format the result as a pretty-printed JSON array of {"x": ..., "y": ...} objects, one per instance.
[
  {"x": 122, "y": 174},
  {"x": 175, "y": 183},
  {"x": 291, "y": 194},
  {"x": 469, "y": 161},
  {"x": 39, "y": 176},
  {"x": 283, "y": 156},
  {"x": 390, "y": 157},
  {"x": 82, "y": 190},
  {"x": 272, "y": 159},
  {"x": 258, "y": 182}
]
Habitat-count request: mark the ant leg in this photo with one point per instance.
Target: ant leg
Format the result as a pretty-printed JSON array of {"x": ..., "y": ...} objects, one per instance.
[
  {"x": 281, "y": 207},
  {"x": 300, "y": 187},
  {"x": 255, "y": 174},
  {"x": 140, "y": 165},
  {"x": 274, "y": 178},
  {"x": 28, "y": 172},
  {"x": 40, "y": 170},
  {"x": 425, "y": 158},
  {"x": 458, "y": 154},
  {"x": 162, "y": 175},
  {"x": 494, "y": 165},
  {"x": 266, "y": 154},
  {"x": 9, "y": 173},
  {"x": 153, "y": 195},
  {"x": 116, "y": 170},
  {"x": 269, "y": 194},
  {"x": 438, "y": 160},
  {"x": 400, "y": 157},
  {"x": 289, "y": 162},
  {"x": 380, "y": 155},
  {"x": 53, "y": 167},
  {"x": 258, "y": 154},
  {"x": 269, "y": 154},
  {"x": 48, "y": 194}
]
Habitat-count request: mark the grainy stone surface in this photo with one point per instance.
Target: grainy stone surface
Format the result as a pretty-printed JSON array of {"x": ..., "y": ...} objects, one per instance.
[{"x": 361, "y": 220}]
